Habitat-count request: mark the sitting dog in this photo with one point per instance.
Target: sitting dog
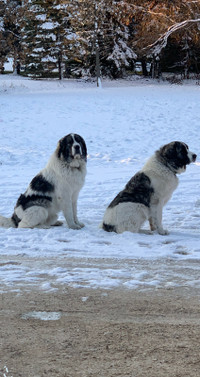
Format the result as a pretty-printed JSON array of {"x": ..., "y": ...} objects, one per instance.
[
  {"x": 54, "y": 189},
  {"x": 148, "y": 191}
]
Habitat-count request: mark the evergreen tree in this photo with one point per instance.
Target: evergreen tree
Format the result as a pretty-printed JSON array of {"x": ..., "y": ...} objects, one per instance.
[
  {"x": 13, "y": 16},
  {"x": 89, "y": 37},
  {"x": 3, "y": 50},
  {"x": 103, "y": 38},
  {"x": 47, "y": 36}
]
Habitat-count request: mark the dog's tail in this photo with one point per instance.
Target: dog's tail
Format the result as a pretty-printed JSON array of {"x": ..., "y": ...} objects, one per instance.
[{"x": 7, "y": 222}]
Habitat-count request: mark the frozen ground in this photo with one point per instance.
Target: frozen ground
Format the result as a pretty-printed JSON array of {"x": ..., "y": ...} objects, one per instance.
[{"x": 123, "y": 124}]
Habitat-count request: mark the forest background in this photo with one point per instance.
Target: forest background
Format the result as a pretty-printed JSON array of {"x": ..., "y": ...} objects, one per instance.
[{"x": 86, "y": 38}]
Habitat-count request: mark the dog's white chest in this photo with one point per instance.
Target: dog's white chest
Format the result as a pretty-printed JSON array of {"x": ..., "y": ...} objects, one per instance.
[{"x": 164, "y": 186}]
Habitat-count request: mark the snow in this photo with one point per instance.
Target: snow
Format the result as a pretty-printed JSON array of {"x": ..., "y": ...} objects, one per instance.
[
  {"x": 49, "y": 25},
  {"x": 8, "y": 65},
  {"x": 123, "y": 123},
  {"x": 43, "y": 316}
]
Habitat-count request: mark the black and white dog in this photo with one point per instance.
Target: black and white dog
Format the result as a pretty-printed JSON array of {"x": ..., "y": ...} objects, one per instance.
[
  {"x": 148, "y": 191},
  {"x": 54, "y": 189}
]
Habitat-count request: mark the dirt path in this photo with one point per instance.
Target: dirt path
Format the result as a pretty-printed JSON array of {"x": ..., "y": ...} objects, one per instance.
[{"x": 90, "y": 333}]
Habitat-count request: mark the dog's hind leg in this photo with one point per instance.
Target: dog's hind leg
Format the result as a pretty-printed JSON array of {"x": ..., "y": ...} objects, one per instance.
[
  {"x": 57, "y": 223},
  {"x": 130, "y": 217},
  {"x": 34, "y": 216},
  {"x": 52, "y": 221}
]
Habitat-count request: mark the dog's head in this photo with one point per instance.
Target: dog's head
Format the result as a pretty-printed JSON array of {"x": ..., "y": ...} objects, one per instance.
[
  {"x": 71, "y": 148},
  {"x": 176, "y": 155}
]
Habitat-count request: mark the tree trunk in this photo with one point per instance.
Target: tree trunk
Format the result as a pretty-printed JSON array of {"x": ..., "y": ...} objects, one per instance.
[
  {"x": 60, "y": 67},
  {"x": 155, "y": 68},
  {"x": 16, "y": 65},
  {"x": 97, "y": 47},
  {"x": 97, "y": 64},
  {"x": 144, "y": 67}
]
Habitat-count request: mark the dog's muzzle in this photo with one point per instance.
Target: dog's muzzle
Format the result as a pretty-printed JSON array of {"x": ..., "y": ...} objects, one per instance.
[
  {"x": 76, "y": 151},
  {"x": 194, "y": 156}
]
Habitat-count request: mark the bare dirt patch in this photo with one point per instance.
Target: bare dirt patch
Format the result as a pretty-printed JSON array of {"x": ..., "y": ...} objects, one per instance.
[{"x": 106, "y": 333}]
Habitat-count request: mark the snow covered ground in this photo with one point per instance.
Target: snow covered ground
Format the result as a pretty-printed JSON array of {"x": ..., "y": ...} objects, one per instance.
[{"x": 123, "y": 123}]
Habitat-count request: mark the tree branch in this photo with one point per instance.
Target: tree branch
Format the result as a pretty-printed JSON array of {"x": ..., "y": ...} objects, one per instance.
[{"x": 161, "y": 42}]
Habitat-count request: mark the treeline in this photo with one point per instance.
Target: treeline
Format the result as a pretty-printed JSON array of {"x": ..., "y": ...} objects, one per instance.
[{"x": 95, "y": 37}]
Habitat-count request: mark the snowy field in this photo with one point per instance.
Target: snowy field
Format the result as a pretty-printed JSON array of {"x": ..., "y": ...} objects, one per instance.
[{"x": 123, "y": 123}]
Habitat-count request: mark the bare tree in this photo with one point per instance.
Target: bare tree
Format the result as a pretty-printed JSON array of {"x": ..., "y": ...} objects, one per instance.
[{"x": 157, "y": 46}]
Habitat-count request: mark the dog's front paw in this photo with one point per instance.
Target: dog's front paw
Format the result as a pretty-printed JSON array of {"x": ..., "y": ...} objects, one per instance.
[
  {"x": 80, "y": 224},
  {"x": 162, "y": 232},
  {"x": 75, "y": 226}
]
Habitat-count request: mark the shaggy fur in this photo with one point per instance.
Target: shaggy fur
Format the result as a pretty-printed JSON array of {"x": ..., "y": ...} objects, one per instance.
[
  {"x": 145, "y": 195},
  {"x": 54, "y": 189}
]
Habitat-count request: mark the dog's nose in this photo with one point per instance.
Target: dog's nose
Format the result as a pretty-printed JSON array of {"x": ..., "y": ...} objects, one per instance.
[{"x": 194, "y": 156}]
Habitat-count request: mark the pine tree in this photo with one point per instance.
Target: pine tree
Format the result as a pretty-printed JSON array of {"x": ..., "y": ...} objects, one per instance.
[
  {"x": 3, "y": 50},
  {"x": 47, "y": 36},
  {"x": 93, "y": 37},
  {"x": 122, "y": 56},
  {"x": 103, "y": 38},
  {"x": 13, "y": 14}
]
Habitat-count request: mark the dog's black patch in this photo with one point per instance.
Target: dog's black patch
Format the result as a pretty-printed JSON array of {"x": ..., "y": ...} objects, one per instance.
[
  {"x": 81, "y": 141},
  {"x": 39, "y": 183},
  {"x": 109, "y": 228},
  {"x": 65, "y": 145},
  {"x": 16, "y": 220},
  {"x": 137, "y": 190},
  {"x": 33, "y": 200},
  {"x": 174, "y": 155}
]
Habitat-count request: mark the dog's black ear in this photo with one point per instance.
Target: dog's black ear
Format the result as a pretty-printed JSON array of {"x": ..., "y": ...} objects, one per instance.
[
  {"x": 181, "y": 149},
  {"x": 82, "y": 143},
  {"x": 168, "y": 151},
  {"x": 84, "y": 149},
  {"x": 64, "y": 147},
  {"x": 173, "y": 150}
]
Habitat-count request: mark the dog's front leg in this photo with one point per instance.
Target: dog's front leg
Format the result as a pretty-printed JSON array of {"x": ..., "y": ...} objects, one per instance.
[
  {"x": 74, "y": 206},
  {"x": 69, "y": 215},
  {"x": 155, "y": 219}
]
